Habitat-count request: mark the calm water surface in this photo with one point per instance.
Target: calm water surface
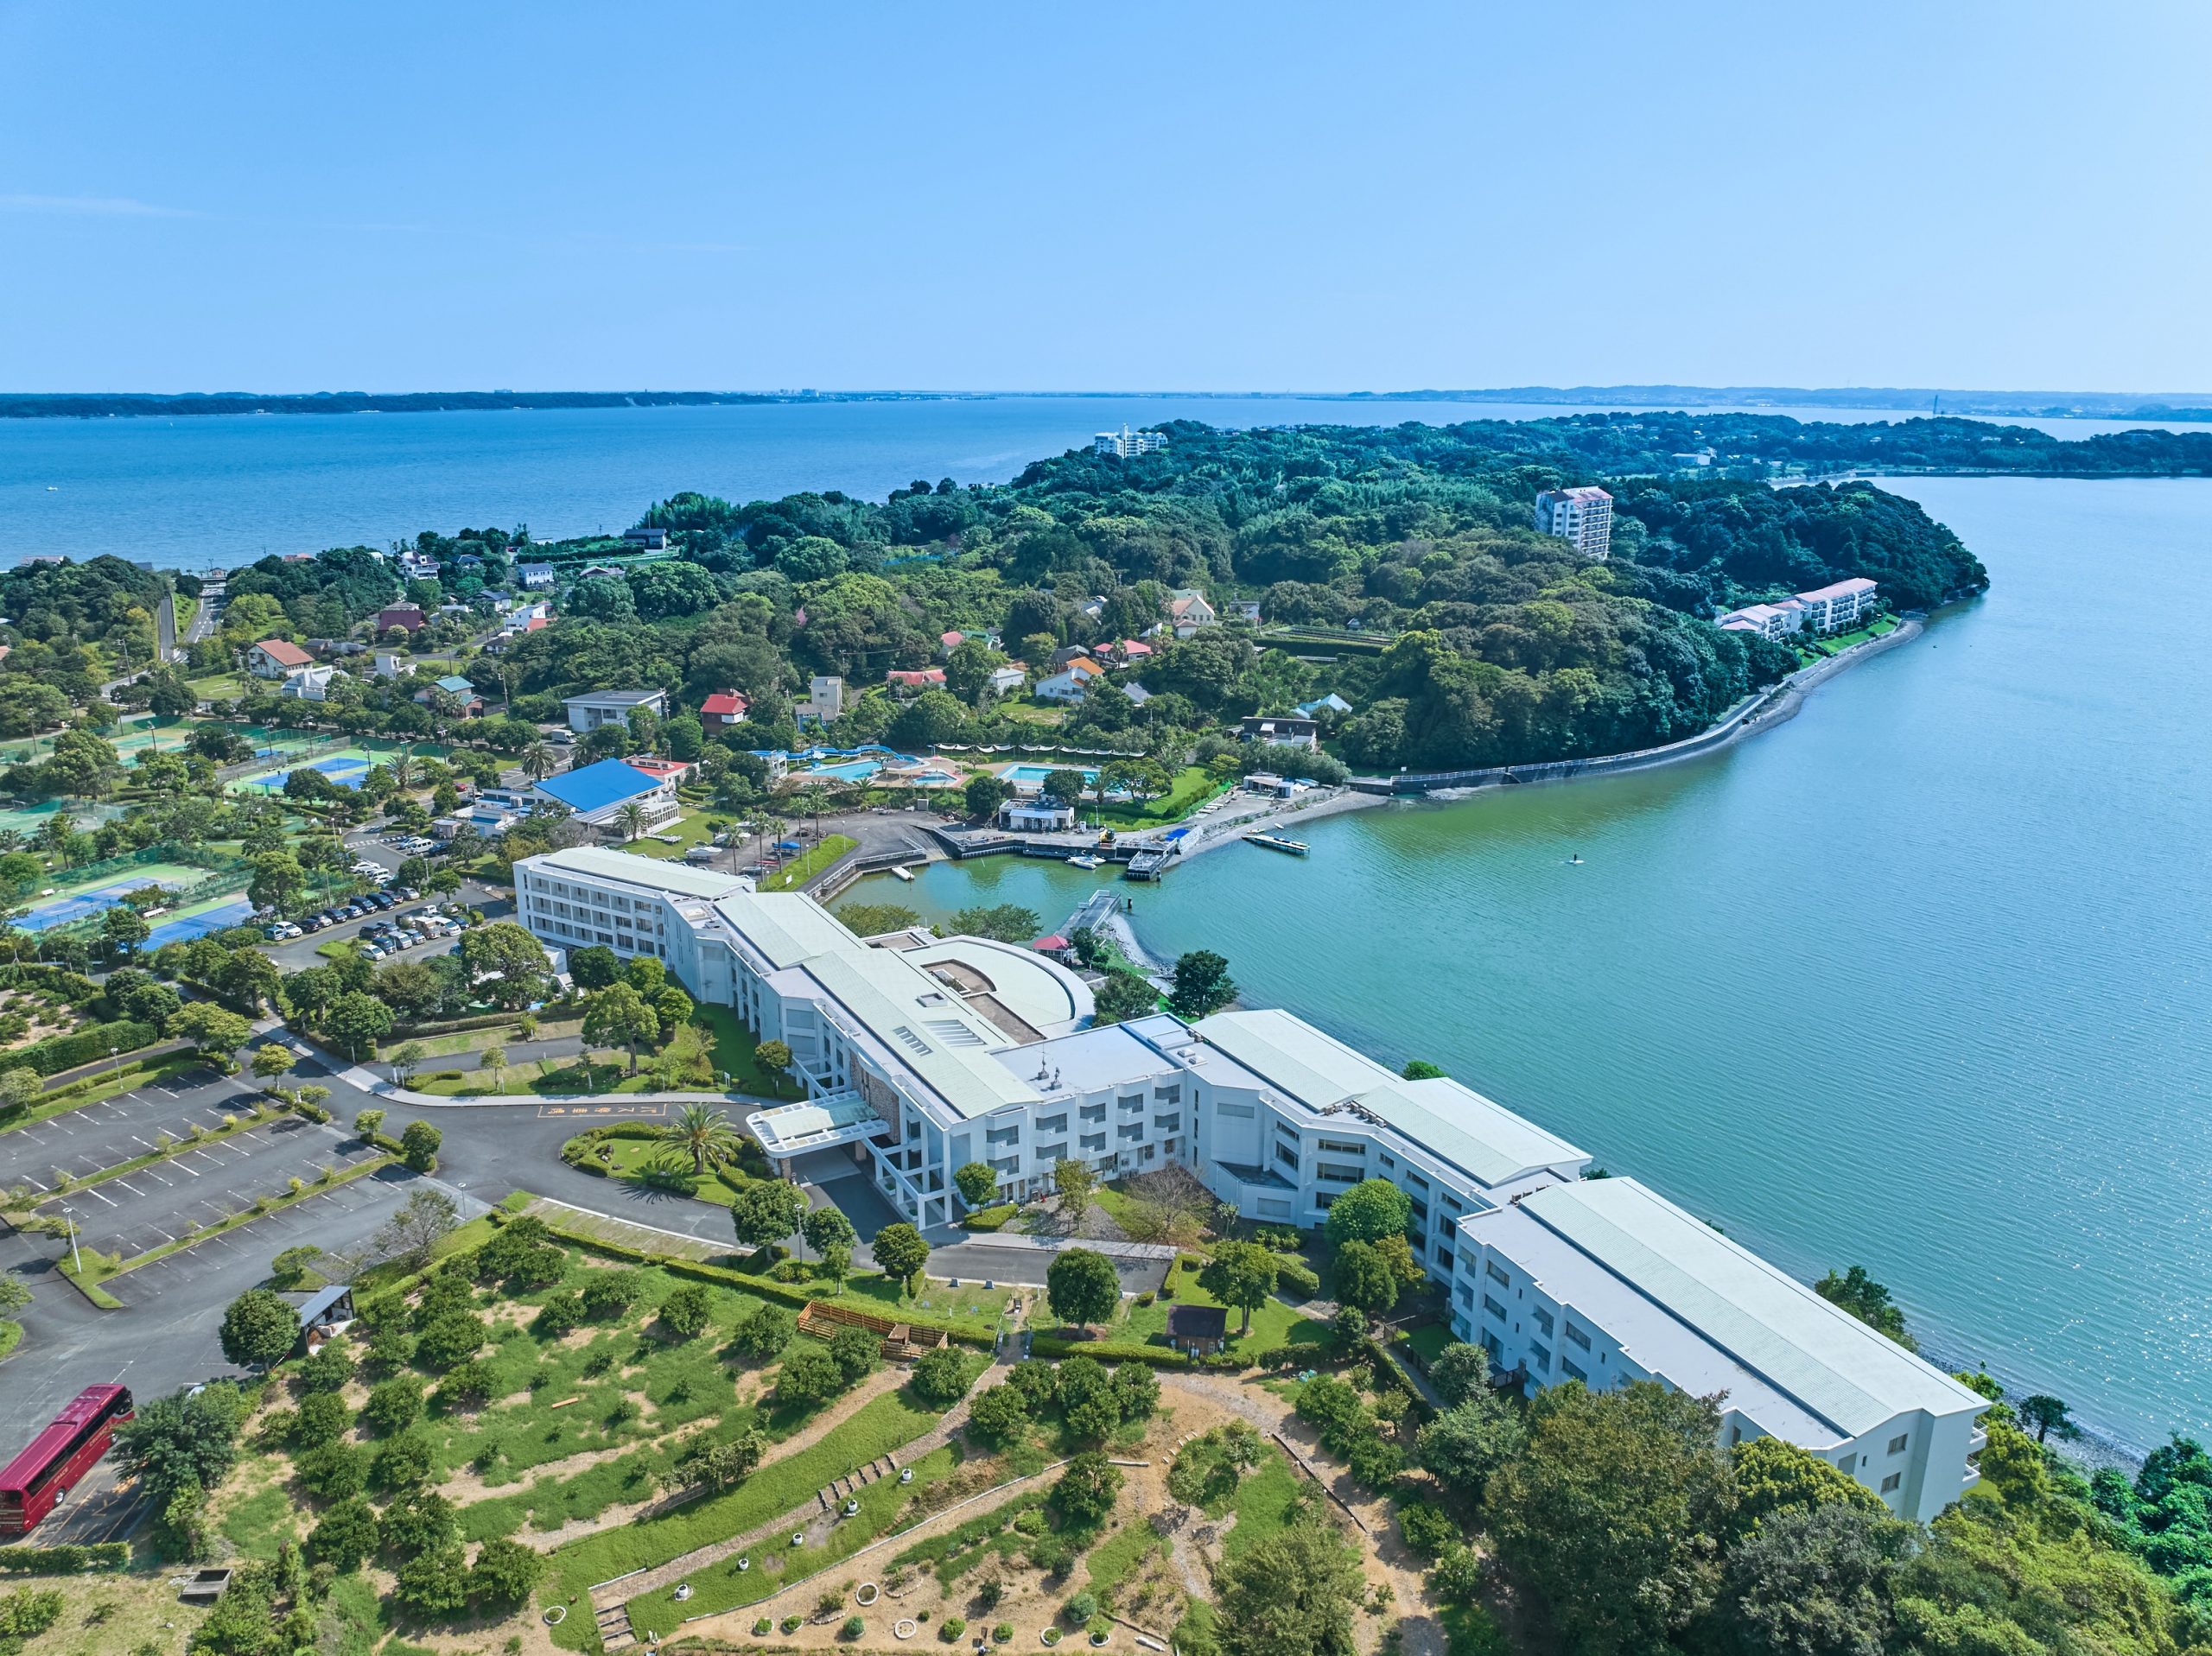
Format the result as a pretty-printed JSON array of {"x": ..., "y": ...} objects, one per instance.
[{"x": 1920, "y": 979}]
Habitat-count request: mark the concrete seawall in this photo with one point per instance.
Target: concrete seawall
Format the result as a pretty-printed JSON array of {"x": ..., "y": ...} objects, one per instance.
[{"x": 1754, "y": 714}]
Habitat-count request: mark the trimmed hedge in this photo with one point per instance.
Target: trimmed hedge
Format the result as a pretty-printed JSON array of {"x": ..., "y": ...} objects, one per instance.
[
  {"x": 68, "y": 1560},
  {"x": 58, "y": 1052},
  {"x": 765, "y": 1287},
  {"x": 990, "y": 1218},
  {"x": 1123, "y": 1351},
  {"x": 402, "y": 1032},
  {"x": 1296, "y": 1276}
]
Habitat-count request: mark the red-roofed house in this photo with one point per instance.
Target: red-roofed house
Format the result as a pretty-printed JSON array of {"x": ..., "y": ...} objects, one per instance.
[
  {"x": 274, "y": 658},
  {"x": 1135, "y": 650},
  {"x": 929, "y": 678},
  {"x": 401, "y": 615},
  {"x": 723, "y": 707}
]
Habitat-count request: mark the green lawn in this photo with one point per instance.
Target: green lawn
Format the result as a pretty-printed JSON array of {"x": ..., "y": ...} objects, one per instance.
[
  {"x": 1430, "y": 1340},
  {"x": 778, "y": 1486},
  {"x": 693, "y": 828},
  {"x": 218, "y": 686},
  {"x": 732, "y": 1054},
  {"x": 1275, "y": 1325},
  {"x": 631, "y": 1157},
  {"x": 726, "y": 1587},
  {"x": 1194, "y": 785},
  {"x": 796, "y": 873},
  {"x": 475, "y": 1040}
]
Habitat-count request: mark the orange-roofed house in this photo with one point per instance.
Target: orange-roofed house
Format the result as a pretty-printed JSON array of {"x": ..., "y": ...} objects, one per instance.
[
  {"x": 274, "y": 658},
  {"x": 1072, "y": 682}
]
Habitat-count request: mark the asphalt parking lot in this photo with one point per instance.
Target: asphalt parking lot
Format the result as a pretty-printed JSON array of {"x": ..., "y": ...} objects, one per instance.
[
  {"x": 116, "y": 1130},
  {"x": 209, "y": 1181}
]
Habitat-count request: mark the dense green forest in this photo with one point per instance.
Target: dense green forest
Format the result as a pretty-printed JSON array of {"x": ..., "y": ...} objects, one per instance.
[{"x": 1469, "y": 638}]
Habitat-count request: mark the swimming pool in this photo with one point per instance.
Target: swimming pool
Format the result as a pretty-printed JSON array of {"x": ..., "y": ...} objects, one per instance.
[
  {"x": 1033, "y": 776},
  {"x": 850, "y": 770}
]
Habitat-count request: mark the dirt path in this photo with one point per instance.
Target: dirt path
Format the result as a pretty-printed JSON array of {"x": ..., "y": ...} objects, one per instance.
[{"x": 807, "y": 1517}]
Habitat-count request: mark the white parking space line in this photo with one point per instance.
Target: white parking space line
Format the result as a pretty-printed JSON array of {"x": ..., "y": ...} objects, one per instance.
[
  {"x": 158, "y": 1179},
  {"x": 179, "y": 1165},
  {"x": 135, "y": 1140},
  {"x": 103, "y": 1195},
  {"x": 133, "y": 1189}
]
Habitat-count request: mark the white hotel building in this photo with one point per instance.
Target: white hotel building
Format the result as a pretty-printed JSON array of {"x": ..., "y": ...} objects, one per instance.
[{"x": 923, "y": 1054}]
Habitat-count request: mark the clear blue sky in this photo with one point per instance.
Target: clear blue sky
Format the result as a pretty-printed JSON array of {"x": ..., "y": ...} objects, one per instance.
[{"x": 1029, "y": 197}]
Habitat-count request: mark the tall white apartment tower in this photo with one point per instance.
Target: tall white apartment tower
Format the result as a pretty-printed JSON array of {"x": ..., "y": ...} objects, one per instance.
[{"x": 1583, "y": 516}]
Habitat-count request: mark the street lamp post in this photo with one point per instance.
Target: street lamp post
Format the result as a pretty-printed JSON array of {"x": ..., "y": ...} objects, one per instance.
[{"x": 75, "y": 1253}]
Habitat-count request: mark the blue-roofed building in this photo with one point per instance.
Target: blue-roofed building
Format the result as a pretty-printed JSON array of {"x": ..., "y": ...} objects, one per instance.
[
  {"x": 472, "y": 705},
  {"x": 597, "y": 793}
]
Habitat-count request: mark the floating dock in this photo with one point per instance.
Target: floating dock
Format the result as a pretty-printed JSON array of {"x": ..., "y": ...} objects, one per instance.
[{"x": 1277, "y": 842}]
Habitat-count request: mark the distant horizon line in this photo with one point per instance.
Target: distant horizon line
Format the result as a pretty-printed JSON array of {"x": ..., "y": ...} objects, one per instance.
[{"x": 1655, "y": 397}]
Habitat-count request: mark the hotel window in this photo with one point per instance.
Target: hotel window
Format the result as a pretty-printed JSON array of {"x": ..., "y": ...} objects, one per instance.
[
  {"x": 1891, "y": 1483},
  {"x": 1490, "y": 1269},
  {"x": 1174, "y": 1095},
  {"x": 1572, "y": 1372},
  {"x": 1465, "y": 1295},
  {"x": 1416, "y": 1180},
  {"x": 1576, "y": 1336},
  {"x": 1282, "y": 1131},
  {"x": 1287, "y": 1156},
  {"x": 1271, "y": 1207},
  {"x": 1336, "y": 1173},
  {"x": 1337, "y": 1146},
  {"x": 1543, "y": 1319},
  {"x": 1234, "y": 1112},
  {"x": 1052, "y": 1123},
  {"x": 1169, "y": 1123},
  {"x": 1539, "y": 1359},
  {"x": 1897, "y": 1443},
  {"x": 1381, "y": 1157},
  {"x": 1094, "y": 1141},
  {"x": 1132, "y": 1101},
  {"x": 1093, "y": 1112},
  {"x": 1494, "y": 1308},
  {"x": 1443, "y": 1257},
  {"x": 1051, "y": 1152}
]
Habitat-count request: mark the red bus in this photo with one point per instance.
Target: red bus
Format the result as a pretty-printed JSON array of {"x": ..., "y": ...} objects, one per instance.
[{"x": 60, "y": 1456}]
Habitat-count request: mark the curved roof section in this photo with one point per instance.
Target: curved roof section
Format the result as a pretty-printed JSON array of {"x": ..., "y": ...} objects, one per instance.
[
  {"x": 597, "y": 786},
  {"x": 1042, "y": 993}
]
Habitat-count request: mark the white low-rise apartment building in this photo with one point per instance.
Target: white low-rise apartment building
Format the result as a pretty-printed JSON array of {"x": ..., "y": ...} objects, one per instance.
[
  {"x": 1584, "y": 515},
  {"x": 1604, "y": 1281},
  {"x": 1833, "y": 608},
  {"x": 1126, "y": 444},
  {"x": 921, "y": 1055},
  {"x": 1829, "y": 609}
]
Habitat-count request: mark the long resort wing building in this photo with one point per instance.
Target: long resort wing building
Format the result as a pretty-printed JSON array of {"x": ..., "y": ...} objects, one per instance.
[{"x": 921, "y": 1055}]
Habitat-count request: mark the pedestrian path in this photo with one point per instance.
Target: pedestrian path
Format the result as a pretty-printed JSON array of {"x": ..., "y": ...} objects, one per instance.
[{"x": 1054, "y": 1244}]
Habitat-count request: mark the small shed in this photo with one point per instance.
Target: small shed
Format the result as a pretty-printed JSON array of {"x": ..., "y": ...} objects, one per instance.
[
  {"x": 324, "y": 1313},
  {"x": 1198, "y": 1329}
]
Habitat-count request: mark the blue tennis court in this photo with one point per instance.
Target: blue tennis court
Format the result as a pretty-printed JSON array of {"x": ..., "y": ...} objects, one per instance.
[
  {"x": 347, "y": 770},
  {"x": 186, "y": 928},
  {"x": 78, "y": 905}
]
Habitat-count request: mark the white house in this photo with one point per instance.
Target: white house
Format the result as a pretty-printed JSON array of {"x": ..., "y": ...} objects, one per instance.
[
  {"x": 1584, "y": 515},
  {"x": 1188, "y": 610},
  {"x": 595, "y": 707},
  {"x": 1071, "y": 682},
  {"x": 536, "y": 577},
  {"x": 310, "y": 684},
  {"x": 825, "y": 701},
  {"x": 1008, "y": 680},
  {"x": 1768, "y": 620},
  {"x": 1036, "y": 815},
  {"x": 275, "y": 657}
]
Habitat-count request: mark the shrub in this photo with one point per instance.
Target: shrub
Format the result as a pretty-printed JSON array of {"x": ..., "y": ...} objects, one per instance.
[
  {"x": 560, "y": 1313},
  {"x": 685, "y": 1312},
  {"x": 346, "y": 1534},
  {"x": 951, "y": 1628},
  {"x": 854, "y": 1350},
  {"x": 327, "y": 1371},
  {"x": 505, "y": 1571},
  {"x": 323, "y": 1418},
  {"x": 467, "y": 1385},
  {"x": 765, "y": 1333},
  {"x": 393, "y": 1405},
  {"x": 853, "y": 1628},
  {"x": 332, "y": 1471},
  {"x": 999, "y": 1414},
  {"x": 401, "y": 1464},
  {"x": 940, "y": 1377},
  {"x": 68, "y": 1559},
  {"x": 1002, "y": 1633},
  {"x": 810, "y": 1375},
  {"x": 452, "y": 1339},
  {"x": 1427, "y": 1531},
  {"x": 1079, "y": 1610},
  {"x": 609, "y": 1293},
  {"x": 26, "y": 1613}
]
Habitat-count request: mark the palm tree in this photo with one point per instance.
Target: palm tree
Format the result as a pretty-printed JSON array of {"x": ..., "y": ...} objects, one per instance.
[
  {"x": 537, "y": 761},
  {"x": 632, "y": 818},
  {"x": 402, "y": 769},
  {"x": 705, "y": 1135}
]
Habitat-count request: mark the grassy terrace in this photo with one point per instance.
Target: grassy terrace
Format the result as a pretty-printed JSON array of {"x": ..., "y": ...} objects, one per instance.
[
  {"x": 1194, "y": 785},
  {"x": 725, "y": 1587},
  {"x": 694, "y": 827},
  {"x": 733, "y": 1053},
  {"x": 797, "y": 872},
  {"x": 1275, "y": 1325},
  {"x": 778, "y": 1486}
]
